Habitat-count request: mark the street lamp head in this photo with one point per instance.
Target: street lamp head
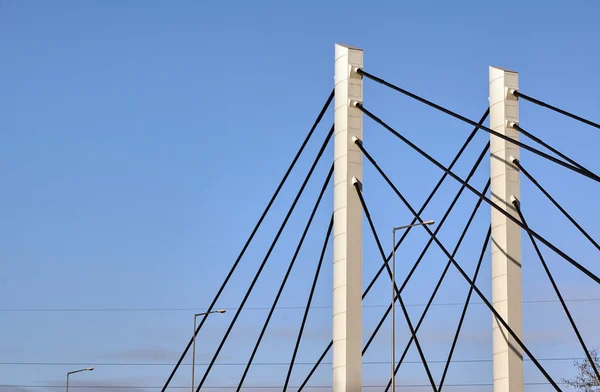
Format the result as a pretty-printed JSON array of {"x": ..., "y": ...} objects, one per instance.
[
  {"x": 211, "y": 312},
  {"x": 424, "y": 223},
  {"x": 89, "y": 369}
]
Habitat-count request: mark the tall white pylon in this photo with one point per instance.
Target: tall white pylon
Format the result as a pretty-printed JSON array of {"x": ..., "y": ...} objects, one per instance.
[
  {"x": 347, "y": 229},
  {"x": 506, "y": 235}
]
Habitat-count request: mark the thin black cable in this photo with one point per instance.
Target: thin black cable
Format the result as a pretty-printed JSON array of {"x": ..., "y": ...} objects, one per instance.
[
  {"x": 554, "y": 150},
  {"x": 413, "y": 333},
  {"x": 486, "y": 199},
  {"x": 428, "y": 200},
  {"x": 518, "y": 164},
  {"x": 252, "y": 234},
  {"x": 92, "y": 363},
  {"x": 517, "y": 205},
  {"x": 314, "y": 368},
  {"x": 308, "y": 303},
  {"x": 549, "y": 147},
  {"x": 519, "y": 94},
  {"x": 440, "y": 280},
  {"x": 438, "y": 227},
  {"x": 287, "y": 275},
  {"x": 221, "y": 388},
  {"x": 464, "y": 311},
  {"x": 407, "y": 231},
  {"x": 290, "y": 307},
  {"x": 469, "y": 121},
  {"x": 262, "y": 265},
  {"x": 459, "y": 268}
]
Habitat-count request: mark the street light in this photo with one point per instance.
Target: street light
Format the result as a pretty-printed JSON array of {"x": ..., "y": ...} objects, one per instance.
[
  {"x": 77, "y": 371},
  {"x": 194, "y": 340},
  {"x": 394, "y": 230}
]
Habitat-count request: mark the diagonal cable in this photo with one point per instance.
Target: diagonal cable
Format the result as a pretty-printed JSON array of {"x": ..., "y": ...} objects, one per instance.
[
  {"x": 286, "y": 277},
  {"x": 252, "y": 234},
  {"x": 519, "y": 94},
  {"x": 440, "y": 280},
  {"x": 459, "y": 268},
  {"x": 266, "y": 258},
  {"x": 406, "y": 232},
  {"x": 554, "y": 150},
  {"x": 518, "y": 164},
  {"x": 517, "y": 205},
  {"x": 439, "y": 226},
  {"x": 426, "y": 203},
  {"x": 464, "y": 311},
  {"x": 469, "y": 121},
  {"x": 397, "y": 295},
  {"x": 316, "y": 365},
  {"x": 308, "y": 303},
  {"x": 486, "y": 199}
]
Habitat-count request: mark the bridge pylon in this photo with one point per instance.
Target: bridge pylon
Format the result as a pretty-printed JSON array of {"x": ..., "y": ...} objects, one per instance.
[
  {"x": 347, "y": 229},
  {"x": 506, "y": 235}
]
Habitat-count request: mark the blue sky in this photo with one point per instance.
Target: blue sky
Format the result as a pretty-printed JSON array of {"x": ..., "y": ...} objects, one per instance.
[{"x": 141, "y": 141}]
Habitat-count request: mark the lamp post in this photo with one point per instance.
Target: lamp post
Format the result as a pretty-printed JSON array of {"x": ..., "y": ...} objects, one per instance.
[
  {"x": 194, "y": 340},
  {"x": 394, "y": 230},
  {"x": 77, "y": 371}
]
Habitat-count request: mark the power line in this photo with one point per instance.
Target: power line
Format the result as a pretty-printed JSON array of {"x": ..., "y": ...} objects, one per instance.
[
  {"x": 474, "y": 385},
  {"x": 291, "y": 307},
  {"x": 233, "y": 364}
]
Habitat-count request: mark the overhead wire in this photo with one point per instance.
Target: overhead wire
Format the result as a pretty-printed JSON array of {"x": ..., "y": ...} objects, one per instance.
[
  {"x": 225, "y": 364},
  {"x": 285, "y": 307},
  {"x": 261, "y": 387}
]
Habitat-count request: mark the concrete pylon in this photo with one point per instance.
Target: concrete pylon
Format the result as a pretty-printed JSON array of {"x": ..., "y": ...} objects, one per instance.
[
  {"x": 506, "y": 235},
  {"x": 347, "y": 229}
]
